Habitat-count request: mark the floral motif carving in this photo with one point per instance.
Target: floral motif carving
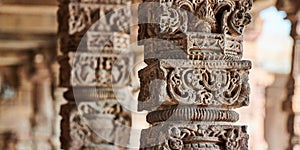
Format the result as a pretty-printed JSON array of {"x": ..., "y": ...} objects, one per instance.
[
  {"x": 203, "y": 29},
  {"x": 205, "y": 83},
  {"x": 184, "y": 15},
  {"x": 198, "y": 136},
  {"x": 193, "y": 49},
  {"x": 205, "y": 86}
]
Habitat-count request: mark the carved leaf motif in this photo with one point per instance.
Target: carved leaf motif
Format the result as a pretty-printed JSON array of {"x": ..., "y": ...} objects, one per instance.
[
  {"x": 205, "y": 86},
  {"x": 173, "y": 20},
  {"x": 240, "y": 17},
  {"x": 234, "y": 138}
]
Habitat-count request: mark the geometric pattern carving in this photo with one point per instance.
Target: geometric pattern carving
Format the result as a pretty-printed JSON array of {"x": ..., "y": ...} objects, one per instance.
[{"x": 198, "y": 46}]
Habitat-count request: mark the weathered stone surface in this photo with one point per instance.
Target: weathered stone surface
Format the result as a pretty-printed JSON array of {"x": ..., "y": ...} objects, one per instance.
[
  {"x": 193, "y": 45},
  {"x": 101, "y": 70},
  {"x": 191, "y": 113},
  {"x": 95, "y": 124},
  {"x": 96, "y": 60},
  {"x": 221, "y": 84},
  {"x": 195, "y": 74},
  {"x": 206, "y": 29},
  {"x": 202, "y": 136},
  {"x": 76, "y": 18}
]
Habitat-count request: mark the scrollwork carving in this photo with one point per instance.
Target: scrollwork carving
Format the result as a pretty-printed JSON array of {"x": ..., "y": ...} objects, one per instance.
[
  {"x": 240, "y": 17},
  {"x": 205, "y": 86},
  {"x": 204, "y": 83},
  {"x": 175, "y": 15}
]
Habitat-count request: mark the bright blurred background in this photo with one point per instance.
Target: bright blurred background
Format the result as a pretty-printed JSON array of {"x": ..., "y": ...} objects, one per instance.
[{"x": 30, "y": 98}]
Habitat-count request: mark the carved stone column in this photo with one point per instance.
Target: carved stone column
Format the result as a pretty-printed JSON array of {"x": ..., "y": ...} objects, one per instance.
[
  {"x": 94, "y": 41},
  {"x": 195, "y": 76}
]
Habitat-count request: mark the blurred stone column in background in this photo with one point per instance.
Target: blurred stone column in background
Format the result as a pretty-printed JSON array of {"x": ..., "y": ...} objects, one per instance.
[
  {"x": 296, "y": 97},
  {"x": 292, "y": 104},
  {"x": 95, "y": 60},
  {"x": 195, "y": 75}
]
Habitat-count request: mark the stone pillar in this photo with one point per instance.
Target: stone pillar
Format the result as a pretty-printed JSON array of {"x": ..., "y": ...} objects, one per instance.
[
  {"x": 296, "y": 96},
  {"x": 291, "y": 103},
  {"x": 195, "y": 76},
  {"x": 94, "y": 63},
  {"x": 43, "y": 108}
]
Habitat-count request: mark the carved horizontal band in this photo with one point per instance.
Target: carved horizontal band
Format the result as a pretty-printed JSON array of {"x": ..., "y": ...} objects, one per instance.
[
  {"x": 101, "y": 108},
  {"x": 89, "y": 94},
  {"x": 213, "y": 64},
  {"x": 157, "y": 17},
  {"x": 196, "y": 46},
  {"x": 218, "y": 84},
  {"x": 178, "y": 136},
  {"x": 107, "y": 41},
  {"x": 192, "y": 114},
  {"x": 100, "y": 70}
]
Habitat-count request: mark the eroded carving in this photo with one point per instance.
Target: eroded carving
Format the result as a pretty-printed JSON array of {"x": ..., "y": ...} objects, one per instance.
[
  {"x": 213, "y": 16},
  {"x": 103, "y": 70},
  {"x": 94, "y": 39},
  {"x": 193, "y": 49},
  {"x": 97, "y": 123},
  {"x": 195, "y": 136},
  {"x": 209, "y": 29},
  {"x": 107, "y": 42}
]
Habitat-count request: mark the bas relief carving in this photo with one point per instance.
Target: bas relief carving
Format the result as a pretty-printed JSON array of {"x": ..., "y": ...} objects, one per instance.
[
  {"x": 195, "y": 75},
  {"x": 209, "y": 16},
  {"x": 195, "y": 82},
  {"x": 195, "y": 136},
  {"x": 104, "y": 70},
  {"x": 97, "y": 123},
  {"x": 203, "y": 29},
  {"x": 93, "y": 16},
  {"x": 94, "y": 40}
]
